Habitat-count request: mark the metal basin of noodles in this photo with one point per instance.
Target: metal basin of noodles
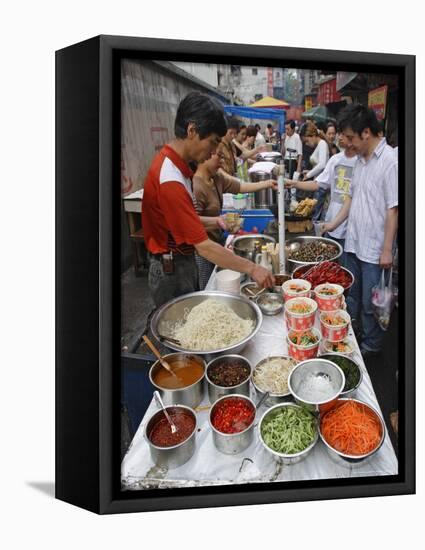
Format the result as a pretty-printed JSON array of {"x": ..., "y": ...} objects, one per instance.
[{"x": 168, "y": 315}]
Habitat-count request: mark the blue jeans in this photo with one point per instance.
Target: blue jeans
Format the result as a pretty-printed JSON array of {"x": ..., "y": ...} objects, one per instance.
[
  {"x": 359, "y": 300},
  {"x": 320, "y": 195}
]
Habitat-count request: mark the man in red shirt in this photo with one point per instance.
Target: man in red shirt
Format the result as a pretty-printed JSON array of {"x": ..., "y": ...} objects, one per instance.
[{"x": 171, "y": 226}]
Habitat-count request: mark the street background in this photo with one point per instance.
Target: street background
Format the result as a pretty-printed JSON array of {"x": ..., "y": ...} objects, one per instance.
[{"x": 30, "y": 33}]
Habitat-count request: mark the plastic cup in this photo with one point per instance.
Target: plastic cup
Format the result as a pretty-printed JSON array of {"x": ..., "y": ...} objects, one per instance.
[{"x": 318, "y": 228}]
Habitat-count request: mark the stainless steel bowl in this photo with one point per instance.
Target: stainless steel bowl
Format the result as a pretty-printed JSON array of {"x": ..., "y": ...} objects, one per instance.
[
  {"x": 273, "y": 398},
  {"x": 251, "y": 285},
  {"x": 286, "y": 458},
  {"x": 292, "y": 243},
  {"x": 171, "y": 457},
  {"x": 320, "y": 368},
  {"x": 345, "y": 459},
  {"x": 329, "y": 357},
  {"x": 270, "y": 303},
  {"x": 190, "y": 396},
  {"x": 215, "y": 391},
  {"x": 166, "y": 317},
  {"x": 248, "y": 246},
  {"x": 232, "y": 443}
]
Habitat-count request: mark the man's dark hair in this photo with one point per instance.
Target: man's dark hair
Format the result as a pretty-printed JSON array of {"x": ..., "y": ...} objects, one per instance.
[
  {"x": 331, "y": 125},
  {"x": 251, "y": 131},
  {"x": 290, "y": 123},
  {"x": 258, "y": 127},
  {"x": 269, "y": 125},
  {"x": 202, "y": 110},
  {"x": 358, "y": 118},
  {"x": 242, "y": 127},
  {"x": 233, "y": 123}
]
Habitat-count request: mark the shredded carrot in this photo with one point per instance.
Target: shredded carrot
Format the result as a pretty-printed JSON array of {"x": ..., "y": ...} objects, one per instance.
[{"x": 351, "y": 428}]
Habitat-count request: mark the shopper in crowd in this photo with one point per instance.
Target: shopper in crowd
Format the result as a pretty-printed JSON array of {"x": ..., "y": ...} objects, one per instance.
[
  {"x": 259, "y": 138},
  {"x": 335, "y": 178},
  {"x": 209, "y": 185},
  {"x": 307, "y": 151},
  {"x": 244, "y": 143},
  {"x": 331, "y": 138},
  {"x": 292, "y": 148},
  {"x": 373, "y": 217},
  {"x": 226, "y": 148},
  {"x": 270, "y": 133},
  {"x": 172, "y": 228},
  {"x": 316, "y": 139}
]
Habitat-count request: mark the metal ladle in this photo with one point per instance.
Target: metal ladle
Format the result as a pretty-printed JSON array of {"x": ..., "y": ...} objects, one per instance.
[{"x": 164, "y": 410}]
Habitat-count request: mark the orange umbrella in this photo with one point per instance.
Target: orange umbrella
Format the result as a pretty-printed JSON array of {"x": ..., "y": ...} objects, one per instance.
[{"x": 271, "y": 102}]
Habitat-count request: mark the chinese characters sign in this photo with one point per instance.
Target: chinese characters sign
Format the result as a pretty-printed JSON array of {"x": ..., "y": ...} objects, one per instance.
[
  {"x": 377, "y": 100},
  {"x": 327, "y": 93}
]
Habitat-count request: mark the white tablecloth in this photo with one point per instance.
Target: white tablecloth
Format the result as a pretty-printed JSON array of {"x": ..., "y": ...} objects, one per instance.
[{"x": 210, "y": 467}]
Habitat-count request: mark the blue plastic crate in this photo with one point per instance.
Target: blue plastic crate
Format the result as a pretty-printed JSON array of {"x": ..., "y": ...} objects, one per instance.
[{"x": 257, "y": 218}]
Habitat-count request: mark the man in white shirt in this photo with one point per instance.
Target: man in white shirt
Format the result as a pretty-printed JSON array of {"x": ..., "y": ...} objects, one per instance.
[
  {"x": 335, "y": 178},
  {"x": 373, "y": 217},
  {"x": 292, "y": 148}
]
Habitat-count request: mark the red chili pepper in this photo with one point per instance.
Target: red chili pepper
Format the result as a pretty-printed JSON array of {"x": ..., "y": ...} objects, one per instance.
[
  {"x": 233, "y": 415},
  {"x": 328, "y": 272}
]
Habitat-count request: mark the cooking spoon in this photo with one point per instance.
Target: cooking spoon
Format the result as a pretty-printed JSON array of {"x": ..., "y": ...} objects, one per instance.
[
  {"x": 167, "y": 416},
  {"x": 158, "y": 356}
]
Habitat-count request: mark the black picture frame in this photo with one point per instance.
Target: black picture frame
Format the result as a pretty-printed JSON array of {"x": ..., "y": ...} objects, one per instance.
[{"x": 87, "y": 275}]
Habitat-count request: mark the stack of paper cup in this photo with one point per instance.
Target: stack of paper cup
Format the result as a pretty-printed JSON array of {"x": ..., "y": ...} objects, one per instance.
[{"x": 228, "y": 281}]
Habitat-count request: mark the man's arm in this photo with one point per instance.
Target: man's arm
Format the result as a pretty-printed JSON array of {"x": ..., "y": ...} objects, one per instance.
[
  {"x": 302, "y": 185},
  {"x": 299, "y": 161},
  {"x": 391, "y": 222},
  {"x": 223, "y": 257},
  {"x": 210, "y": 222}
]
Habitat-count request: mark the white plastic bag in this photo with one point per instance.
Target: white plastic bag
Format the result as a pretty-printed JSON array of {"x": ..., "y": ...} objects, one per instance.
[{"x": 383, "y": 300}]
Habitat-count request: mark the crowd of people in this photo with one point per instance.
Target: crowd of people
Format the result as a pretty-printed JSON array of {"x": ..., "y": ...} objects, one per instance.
[
  {"x": 348, "y": 165},
  {"x": 362, "y": 214}
]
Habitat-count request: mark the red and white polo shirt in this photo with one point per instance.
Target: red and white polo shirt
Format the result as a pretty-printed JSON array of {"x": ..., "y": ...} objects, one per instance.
[{"x": 169, "y": 219}]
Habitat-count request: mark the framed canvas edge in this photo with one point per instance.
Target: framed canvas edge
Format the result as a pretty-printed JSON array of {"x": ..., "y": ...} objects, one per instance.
[{"x": 109, "y": 501}]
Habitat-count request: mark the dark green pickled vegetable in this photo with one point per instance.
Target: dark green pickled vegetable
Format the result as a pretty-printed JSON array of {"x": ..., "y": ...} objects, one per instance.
[{"x": 349, "y": 368}]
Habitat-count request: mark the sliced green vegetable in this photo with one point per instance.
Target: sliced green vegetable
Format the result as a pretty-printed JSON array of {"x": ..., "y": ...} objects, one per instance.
[{"x": 289, "y": 430}]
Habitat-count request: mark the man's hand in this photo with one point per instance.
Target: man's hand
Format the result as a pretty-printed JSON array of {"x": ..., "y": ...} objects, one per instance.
[
  {"x": 289, "y": 184},
  {"x": 327, "y": 227},
  {"x": 272, "y": 184},
  {"x": 386, "y": 259},
  {"x": 262, "y": 276}
]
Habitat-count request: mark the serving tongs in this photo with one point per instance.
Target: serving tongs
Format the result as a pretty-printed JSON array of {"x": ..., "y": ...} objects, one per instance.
[
  {"x": 256, "y": 294},
  {"x": 320, "y": 259},
  {"x": 163, "y": 338}
]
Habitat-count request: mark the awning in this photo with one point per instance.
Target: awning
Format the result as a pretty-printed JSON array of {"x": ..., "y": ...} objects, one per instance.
[
  {"x": 320, "y": 112},
  {"x": 258, "y": 113},
  {"x": 268, "y": 101}
]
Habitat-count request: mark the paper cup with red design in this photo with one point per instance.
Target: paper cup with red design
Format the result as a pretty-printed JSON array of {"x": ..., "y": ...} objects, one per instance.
[
  {"x": 296, "y": 288},
  {"x": 305, "y": 348},
  {"x": 329, "y": 296},
  {"x": 300, "y": 313},
  {"x": 334, "y": 325}
]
